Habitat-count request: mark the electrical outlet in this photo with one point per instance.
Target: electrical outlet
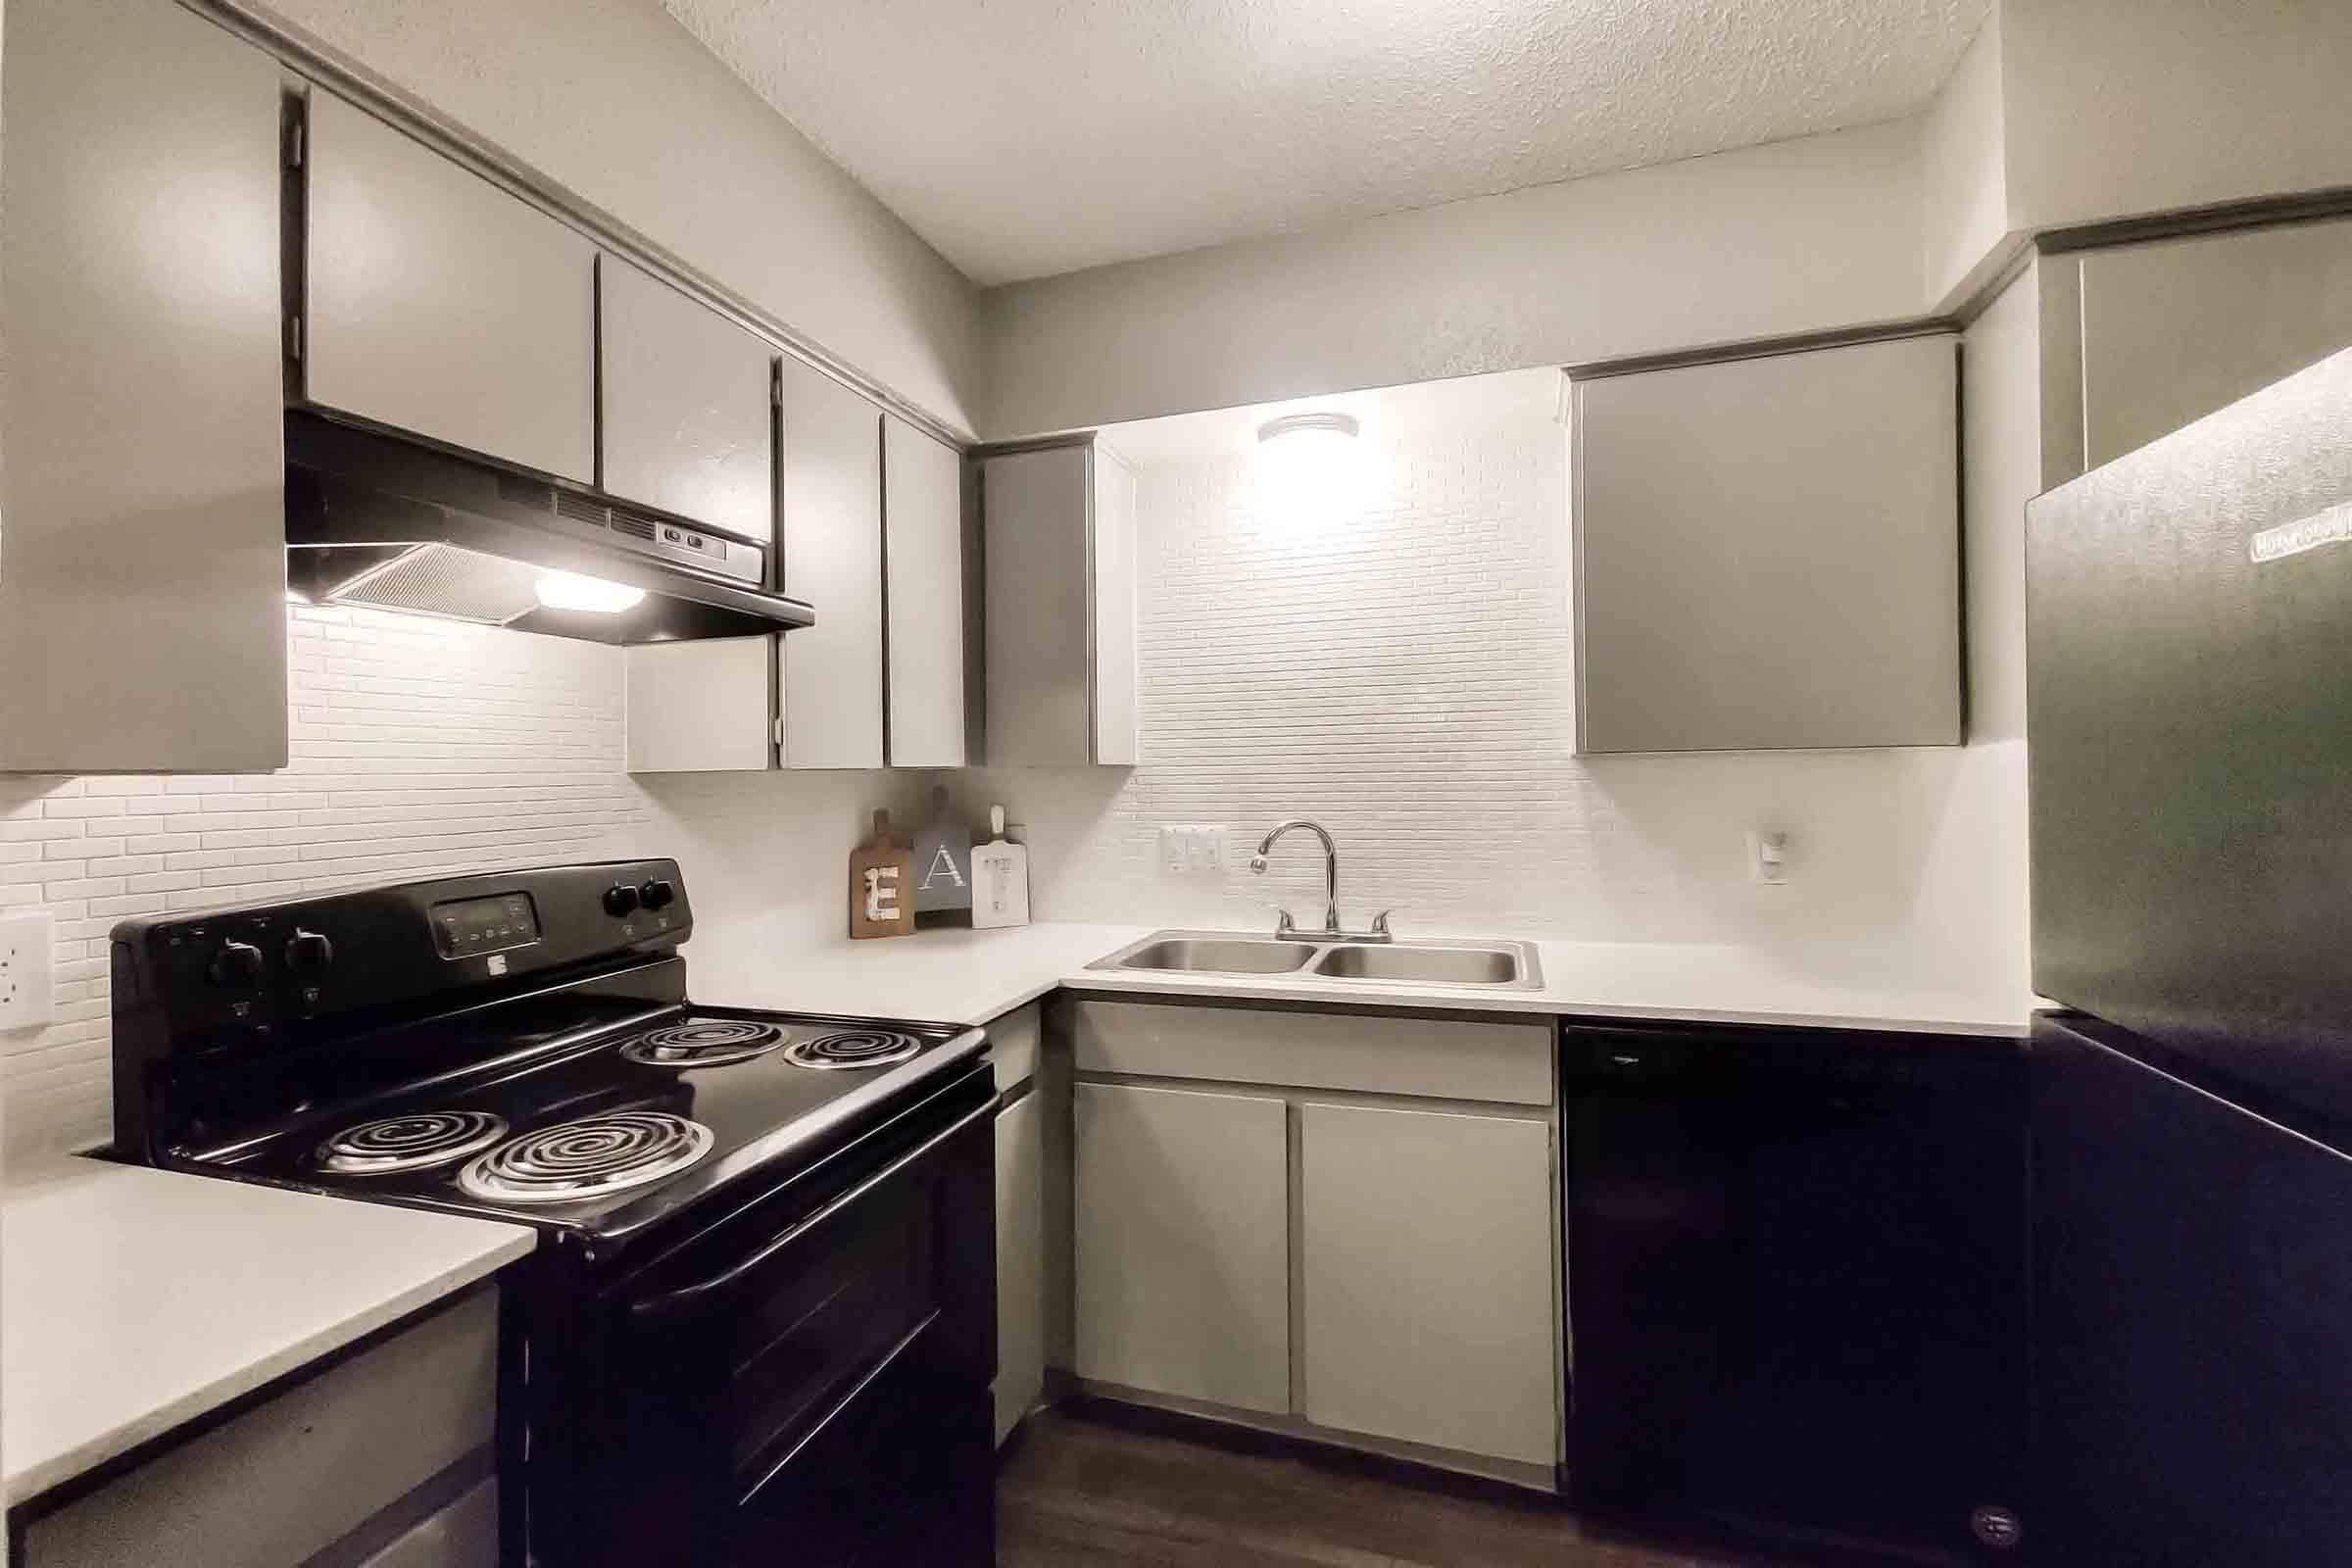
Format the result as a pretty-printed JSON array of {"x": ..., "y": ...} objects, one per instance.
[
  {"x": 28, "y": 999},
  {"x": 1171, "y": 850},
  {"x": 1208, "y": 851}
]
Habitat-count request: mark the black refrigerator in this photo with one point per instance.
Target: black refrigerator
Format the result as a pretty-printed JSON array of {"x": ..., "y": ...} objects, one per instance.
[{"x": 2189, "y": 689}]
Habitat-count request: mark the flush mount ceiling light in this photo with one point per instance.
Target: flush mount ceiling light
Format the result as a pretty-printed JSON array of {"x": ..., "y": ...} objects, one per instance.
[{"x": 1311, "y": 472}]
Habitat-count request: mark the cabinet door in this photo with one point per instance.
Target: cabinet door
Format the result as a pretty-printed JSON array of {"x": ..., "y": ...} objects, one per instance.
[
  {"x": 1428, "y": 1311},
  {"x": 1038, "y": 518},
  {"x": 702, "y": 706},
  {"x": 1180, "y": 1232},
  {"x": 2174, "y": 331},
  {"x": 1020, "y": 1262},
  {"x": 832, "y": 557},
  {"x": 437, "y": 303},
  {"x": 142, "y": 602},
  {"x": 1768, "y": 552},
  {"x": 922, "y": 509},
  {"x": 688, "y": 403}
]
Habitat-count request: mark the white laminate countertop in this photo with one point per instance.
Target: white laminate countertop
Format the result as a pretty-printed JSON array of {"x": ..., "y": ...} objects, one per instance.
[
  {"x": 961, "y": 976},
  {"x": 133, "y": 1299}
]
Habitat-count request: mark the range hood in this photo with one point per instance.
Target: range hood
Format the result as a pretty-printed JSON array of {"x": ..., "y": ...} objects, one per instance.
[{"x": 393, "y": 523}]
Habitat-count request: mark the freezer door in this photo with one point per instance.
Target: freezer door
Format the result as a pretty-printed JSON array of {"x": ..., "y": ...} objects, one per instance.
[
  {"x": 2190, "y": 691},
  {"x": 2194, "y": 1299}
]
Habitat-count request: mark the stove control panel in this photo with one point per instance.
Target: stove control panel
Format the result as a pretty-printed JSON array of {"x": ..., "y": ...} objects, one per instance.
[
  {"x": 466, "y": 928},
  {"x": 253, "y": 978}
]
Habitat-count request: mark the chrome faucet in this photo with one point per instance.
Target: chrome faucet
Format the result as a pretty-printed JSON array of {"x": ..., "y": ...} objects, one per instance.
[{"x": 1284, "y": 928}]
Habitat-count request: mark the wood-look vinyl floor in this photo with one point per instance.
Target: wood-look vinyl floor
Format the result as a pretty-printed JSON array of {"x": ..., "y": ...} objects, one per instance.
[{"x": 1088, "y": 1489}]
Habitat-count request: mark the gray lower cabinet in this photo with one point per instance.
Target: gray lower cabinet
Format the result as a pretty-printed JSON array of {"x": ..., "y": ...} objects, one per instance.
[
  {"x": 1767, "y": 551},
  {"x": 1426, "y": 1279},
  {"x": 922, "y": 513},
  {"x": 1020, "y": 1262},
  {"x": 687, "y": 404},
  {"x": 142, "y": 608},
  {"x": 437, "y": 303},
  {"x": 353, "y": 1460},
  {"x": 2172, "y": 330},
  {"x": 1356, "y": 1241},
  {"x": 1058, "y": 556},
  {"x": 1023, "y": 1311},
  {"x": 1181, "y": 1243}
]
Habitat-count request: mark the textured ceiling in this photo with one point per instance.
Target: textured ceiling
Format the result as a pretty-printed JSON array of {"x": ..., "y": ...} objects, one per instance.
[{"x": 1028, "y": 137}]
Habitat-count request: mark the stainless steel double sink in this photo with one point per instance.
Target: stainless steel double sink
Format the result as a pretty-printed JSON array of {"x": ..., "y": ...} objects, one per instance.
[{"x": 1430, "y": 961}]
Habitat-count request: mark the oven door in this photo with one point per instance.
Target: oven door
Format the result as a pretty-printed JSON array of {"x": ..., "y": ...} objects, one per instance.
[{"x": 809, "y": 1381}]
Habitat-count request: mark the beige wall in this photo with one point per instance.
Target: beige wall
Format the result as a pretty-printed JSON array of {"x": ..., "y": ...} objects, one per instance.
[
  {"x": 1964, "y": 175},
  {"x": 1817, "y": 232},
  {"x": 618, "y": 103}
]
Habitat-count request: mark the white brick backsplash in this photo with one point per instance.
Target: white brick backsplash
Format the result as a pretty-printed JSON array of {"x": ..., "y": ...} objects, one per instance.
[{"x": 418, "y": 746}]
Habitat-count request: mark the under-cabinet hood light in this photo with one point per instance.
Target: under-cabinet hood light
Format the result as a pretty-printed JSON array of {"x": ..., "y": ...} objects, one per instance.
[{"x": 570, "y": 590}]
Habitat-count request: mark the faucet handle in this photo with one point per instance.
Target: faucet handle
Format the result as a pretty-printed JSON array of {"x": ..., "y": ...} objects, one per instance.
[
  {"x": 1282, "y": 925},
  {"x": 1380, "y": 923}
]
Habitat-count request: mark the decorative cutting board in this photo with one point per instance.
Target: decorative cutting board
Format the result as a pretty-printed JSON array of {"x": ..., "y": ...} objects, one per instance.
[
  {"x": 942, "y": 866},
  {"x": 881, "y": 886},
  {"x": 1000, "y": 878}
]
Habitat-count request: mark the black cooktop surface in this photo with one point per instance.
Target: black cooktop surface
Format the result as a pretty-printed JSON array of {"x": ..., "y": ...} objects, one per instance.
[{"x": 601, "y": 1118}]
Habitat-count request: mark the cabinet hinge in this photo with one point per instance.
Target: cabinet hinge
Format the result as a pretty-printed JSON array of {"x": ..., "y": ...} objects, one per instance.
[
  {"x": 294, "y": 142},
  {"x": 775, "y": 383},
  {"x": 775, "y": 732},
  {"x": 294, "y": 337}
]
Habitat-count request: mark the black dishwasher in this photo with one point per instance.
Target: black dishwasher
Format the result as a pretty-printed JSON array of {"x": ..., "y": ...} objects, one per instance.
[{"x": 1797, "y": 1281}]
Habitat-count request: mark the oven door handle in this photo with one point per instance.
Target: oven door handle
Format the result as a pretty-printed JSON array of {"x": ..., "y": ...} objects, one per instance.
[{"x": 686, "y": 1296}]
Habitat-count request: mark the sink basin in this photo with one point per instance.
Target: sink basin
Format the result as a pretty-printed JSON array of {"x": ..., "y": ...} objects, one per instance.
[
  {"x": 1430, "y": 961},
  {"x": 1445, "y": 966},
  {"x": 1219, "y": 956}
]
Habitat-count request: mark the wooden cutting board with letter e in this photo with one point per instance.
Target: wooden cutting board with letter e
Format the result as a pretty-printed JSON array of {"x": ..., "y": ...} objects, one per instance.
[{"x": 881, "y": 886}]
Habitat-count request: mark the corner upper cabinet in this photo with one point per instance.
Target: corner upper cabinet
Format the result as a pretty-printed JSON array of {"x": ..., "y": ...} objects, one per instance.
[
  {"x": 142, "y": 597},
  {"x": 1768, "y": 552},
  {"x": 2173, "y": 330},
  {"x": 687, "y": 400},
  {"x": 922, "y": 511},
  {"x": 437, "y": 303},
  {"x": 1060, "y": 557}
]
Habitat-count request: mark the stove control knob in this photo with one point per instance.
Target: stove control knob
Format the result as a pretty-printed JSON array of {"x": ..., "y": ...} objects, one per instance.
[
  {"x": 658, "y": 893},
  {"x": 238, "y": 964},
  {"x": 307, "y": 952},
  {"x": 620, "y": 901}
]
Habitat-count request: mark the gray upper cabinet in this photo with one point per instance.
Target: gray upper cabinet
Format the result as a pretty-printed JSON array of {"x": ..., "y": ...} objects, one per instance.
[
  {"x": 702, "y": 706},
  {"x": 687, "y": 398},
  {"x": 437, "y": 303},
  {"x": 1767, "y": 551},
  {"x": 2175, "y": 329},
  {"x": 832, "y": 672},
  {"x": 1059, "y": 526},
  {"x": 922, "y": 509},
  {"x": 142, "y": 608}
]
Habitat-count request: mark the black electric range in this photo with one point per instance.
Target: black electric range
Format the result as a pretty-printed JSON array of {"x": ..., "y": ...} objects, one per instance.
[{"x": 762, "y": 1315}]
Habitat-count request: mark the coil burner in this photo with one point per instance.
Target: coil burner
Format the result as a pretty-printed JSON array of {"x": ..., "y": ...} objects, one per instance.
[
  {"x": 591, "y": 1157},
  {"x": 415, "y": 1141},
  {"x": 853, "y": 1047}
]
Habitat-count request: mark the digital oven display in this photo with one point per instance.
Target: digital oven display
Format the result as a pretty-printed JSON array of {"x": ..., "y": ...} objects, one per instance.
[{"x": 467, "y": 928}]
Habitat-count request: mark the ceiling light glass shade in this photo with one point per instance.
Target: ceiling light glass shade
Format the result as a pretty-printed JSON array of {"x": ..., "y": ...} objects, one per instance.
[
  {"x": 569, "y": 590},
  {"x": 1312, "y": 472}
]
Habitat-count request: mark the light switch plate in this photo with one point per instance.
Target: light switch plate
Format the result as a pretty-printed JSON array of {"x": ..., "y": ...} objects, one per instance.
[{"x": 27, "y": 940}]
